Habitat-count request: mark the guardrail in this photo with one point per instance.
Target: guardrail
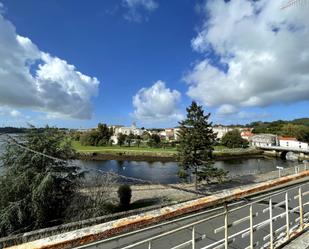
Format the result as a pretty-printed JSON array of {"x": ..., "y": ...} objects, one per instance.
[
  {"x": 292, "y": 170},
  {"x": 286, "y": 214},
  {"x": 199, "y": 230}
]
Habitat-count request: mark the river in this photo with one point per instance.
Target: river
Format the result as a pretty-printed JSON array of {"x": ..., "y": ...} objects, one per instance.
[{"x": 166, "y": 172}]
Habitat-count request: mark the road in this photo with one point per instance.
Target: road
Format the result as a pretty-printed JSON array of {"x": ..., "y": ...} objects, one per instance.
[{"x": 209, "y": 232}]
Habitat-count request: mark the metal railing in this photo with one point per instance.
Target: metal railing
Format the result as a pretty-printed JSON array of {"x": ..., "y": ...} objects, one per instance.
[
  {"x": 264, "y": 223},
  {"x": 292, "y": 170}
]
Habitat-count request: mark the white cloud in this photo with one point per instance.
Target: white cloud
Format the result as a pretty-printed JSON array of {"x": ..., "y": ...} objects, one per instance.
[
  {"x": 33, "y": 79},
  {"x": 157, "y": 103},
  {"x": 137, "y": 9},
  {"x": 226, "y": 109},
  {"x": 266, "y": 51},
  {"x": 10, "y": 113}
]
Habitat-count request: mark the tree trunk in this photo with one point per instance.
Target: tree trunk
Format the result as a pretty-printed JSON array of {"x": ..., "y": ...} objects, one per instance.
[{"x": 195, "y": 179}]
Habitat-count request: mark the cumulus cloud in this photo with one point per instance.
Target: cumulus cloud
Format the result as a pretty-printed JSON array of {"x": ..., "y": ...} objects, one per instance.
[
  {"x": 264, "y": 48},
  {"x": 11, "y": 113},
  {"x": 157, "y": 103},
  {"x": 31, "y": 78},
  {"x": 227, "y": 110},
  {"x": 137, "y": 8}
]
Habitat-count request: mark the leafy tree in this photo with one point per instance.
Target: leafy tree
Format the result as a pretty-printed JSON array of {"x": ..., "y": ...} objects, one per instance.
[
  {"x": 89, "y": 138},
  {"x": 97, "y": 137},
  {"x": 138, "y": 140},
  {"x": 121, "y": 139},
  {"x": 154, "y": 140},
  {"x": 130, "y": 138},
  {"x": 146, "y": 136},
  {"x": 196, "y": 139},
  {"x": 233, "y": 139},
  {"x": 36, "y": 190}
]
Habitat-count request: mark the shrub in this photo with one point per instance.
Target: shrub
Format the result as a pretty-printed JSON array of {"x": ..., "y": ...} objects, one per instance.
[{"x": 124, "y": 194}]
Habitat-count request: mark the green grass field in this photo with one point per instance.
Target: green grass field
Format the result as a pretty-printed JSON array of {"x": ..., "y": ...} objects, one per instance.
[
  {"x": 116, "y": 148},
  {"x": 155, "y": 152}
]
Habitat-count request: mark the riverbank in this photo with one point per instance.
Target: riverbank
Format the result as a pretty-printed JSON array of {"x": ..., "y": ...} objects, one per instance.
[
  {"x": 153, "y": 154},
  {"x": 162, "y": 156}
]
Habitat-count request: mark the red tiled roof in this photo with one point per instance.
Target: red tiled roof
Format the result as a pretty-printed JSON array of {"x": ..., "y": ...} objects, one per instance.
[
  {"x": 247, "y": 134},
  {"x": 288, "y": 138}
]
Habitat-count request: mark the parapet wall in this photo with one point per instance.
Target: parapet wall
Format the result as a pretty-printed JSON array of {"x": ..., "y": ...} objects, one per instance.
[{"x": 105, "y": 230}]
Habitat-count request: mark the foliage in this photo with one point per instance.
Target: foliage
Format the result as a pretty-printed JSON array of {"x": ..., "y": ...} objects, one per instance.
[
  {"x": 146, "y": 135},
  {"x": 121, "y": 139},
  {"x": 36, "y": 190},
  {"x": 233, "y": 139},
  {"x": 97, "y": 137},
  {"x": 154, "y": 141},
  {"x": 124, "y": 194},
  {"x": 298, "y": 128},
  {"x": 196, "y": 139},
  {"x": 130, "y": 138},
  {"x": 301, "y": 132},
  {"x": 138, "y": 140}
]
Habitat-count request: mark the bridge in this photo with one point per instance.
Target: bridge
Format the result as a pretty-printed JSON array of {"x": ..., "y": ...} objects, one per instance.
[
  {"x": 264, "y": 215},
  {"x": 281, "y": 151}
]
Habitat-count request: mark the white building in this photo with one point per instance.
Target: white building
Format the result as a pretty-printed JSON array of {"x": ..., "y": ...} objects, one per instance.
[
  {"x": 291, "y": 142},
  {"x": 221, "y": 130},
  {"x": 128, "y": 130},
  {"x": 265, "y": 140}
]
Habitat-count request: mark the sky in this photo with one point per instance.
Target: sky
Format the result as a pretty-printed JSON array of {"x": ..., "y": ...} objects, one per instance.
[{"x": 75, "y": 63}]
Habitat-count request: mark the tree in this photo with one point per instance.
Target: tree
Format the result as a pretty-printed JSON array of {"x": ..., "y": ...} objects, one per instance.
[
  {"x": 138, "y": 140},
  {"x": 154, "y": 140},
  {"x": 233, "y": 139},
  {"x": 36, "y": 190},
  {"x": 301, "y": 132},
  {"x": 196, "y": 139},
  {"x": 130, "y": 139},
  {"x": 97, "y": 137},
  {"x": 121, "y": 139}
]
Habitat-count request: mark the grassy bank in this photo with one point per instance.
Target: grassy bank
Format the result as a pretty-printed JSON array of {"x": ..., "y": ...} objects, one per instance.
[
  {"x": 151, "y": 154},
  {"x": 117, "y": 148}
]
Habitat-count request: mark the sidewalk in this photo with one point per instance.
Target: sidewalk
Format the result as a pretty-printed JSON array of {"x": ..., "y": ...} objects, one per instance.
[{"x": 302, "y": 242}]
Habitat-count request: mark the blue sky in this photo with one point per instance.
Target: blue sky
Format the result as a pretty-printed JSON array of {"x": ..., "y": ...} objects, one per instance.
[{"x": 146, "y": 60}]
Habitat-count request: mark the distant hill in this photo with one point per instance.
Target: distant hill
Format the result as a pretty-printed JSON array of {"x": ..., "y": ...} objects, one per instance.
[
  {"x": 12, "y": 130},
  {"x": 301, "y": 121},
  {"x": 298, "y": 128}
]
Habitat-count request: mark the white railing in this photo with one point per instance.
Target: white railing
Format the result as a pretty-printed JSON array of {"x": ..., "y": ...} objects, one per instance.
[{"x": 286, "y": 213}]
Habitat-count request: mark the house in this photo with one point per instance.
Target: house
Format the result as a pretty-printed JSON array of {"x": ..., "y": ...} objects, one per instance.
[
  {"x": 292, "y": 142},
  {"x": 128, "y": 130},
  {"x": 221, "y": 130},
  {"x": 264, "y": 140},
  {"x": 162, "y": 134},
  {"x": 247, "y": 135},
  {"x": 176, "y": 133}
]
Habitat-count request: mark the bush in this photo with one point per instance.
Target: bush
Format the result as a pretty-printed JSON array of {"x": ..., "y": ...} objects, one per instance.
[{"x": 124, "y": 194}]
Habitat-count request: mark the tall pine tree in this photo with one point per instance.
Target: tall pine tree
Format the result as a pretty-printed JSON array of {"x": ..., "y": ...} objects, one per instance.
[{"x": 196, "y": 140}]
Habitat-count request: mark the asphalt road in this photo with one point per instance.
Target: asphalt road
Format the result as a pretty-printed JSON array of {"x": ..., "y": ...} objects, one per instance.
[{"x": 207, "y": 232}]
